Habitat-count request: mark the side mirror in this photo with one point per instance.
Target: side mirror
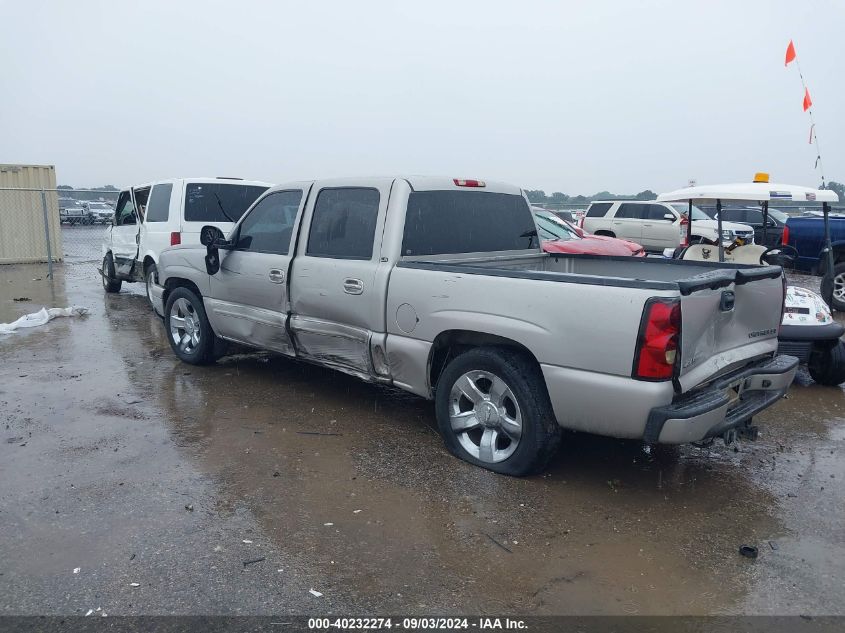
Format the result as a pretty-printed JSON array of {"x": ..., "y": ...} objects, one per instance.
[
  {"x": 210, "y": 234},
  {"x": 213, "y": 239},
  {"x": 669, "y": 216}
]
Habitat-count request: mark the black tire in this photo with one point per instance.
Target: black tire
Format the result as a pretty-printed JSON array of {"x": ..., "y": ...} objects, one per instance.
[
  {"x": 203, "y": 352},
  {"x": 828, "y": 285},
  {"x": 827, "y": 364},
  {"x": 150, "y": 276},
  {"x": 541, "y": 435},
  {"x": 110, "y": 282}
]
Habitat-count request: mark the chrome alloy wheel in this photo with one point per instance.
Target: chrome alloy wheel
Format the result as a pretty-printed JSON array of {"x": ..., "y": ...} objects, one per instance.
[
  {"x": 839, "y": 287},
  {"x": 184, "y": 325},
  {"x": 485, "y": 416}
]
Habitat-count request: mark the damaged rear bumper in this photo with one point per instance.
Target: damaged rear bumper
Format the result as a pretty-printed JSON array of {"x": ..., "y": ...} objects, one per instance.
[{"x": 727, "y": 403}]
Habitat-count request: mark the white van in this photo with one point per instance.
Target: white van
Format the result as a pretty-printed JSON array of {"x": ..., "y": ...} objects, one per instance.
[{"x": 151, "y": 217}]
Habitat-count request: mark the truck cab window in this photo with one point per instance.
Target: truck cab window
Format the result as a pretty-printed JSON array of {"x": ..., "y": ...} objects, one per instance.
[
  {"x": 344, "y": 223},
  {"x": 269, "y": 225}
]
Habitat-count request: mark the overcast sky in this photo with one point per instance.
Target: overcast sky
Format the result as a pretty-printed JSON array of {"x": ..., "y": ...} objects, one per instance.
[{"x": 560, "y": 96}]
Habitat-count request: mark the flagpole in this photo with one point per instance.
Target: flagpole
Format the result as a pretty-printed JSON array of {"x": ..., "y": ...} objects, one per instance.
[{"x": 819, "y": 165}]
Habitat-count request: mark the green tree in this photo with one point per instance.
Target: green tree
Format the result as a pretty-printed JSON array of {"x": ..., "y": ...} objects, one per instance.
[
  {"x": 838, "y": 188},
  {"x": 558, "y": 196},
  {"x": 648, "y": 194},
  {"x": 536, "y": 195}
]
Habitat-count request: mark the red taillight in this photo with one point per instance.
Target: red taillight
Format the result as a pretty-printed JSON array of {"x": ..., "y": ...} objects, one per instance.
[
  {"x": 468, "y": 183},
  {"x": 175, "y": 238},
  {"x": 657, "y": 344},
  {"x": 684, "y": 231},
  {"x": 785, "y": 237}
]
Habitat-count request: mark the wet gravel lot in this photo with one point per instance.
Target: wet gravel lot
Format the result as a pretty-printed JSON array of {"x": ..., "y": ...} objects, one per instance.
[{"x": 136, "y": 484}]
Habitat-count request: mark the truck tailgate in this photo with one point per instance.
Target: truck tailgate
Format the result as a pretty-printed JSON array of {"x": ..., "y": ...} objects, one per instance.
[{"x": 727, "y": 320}]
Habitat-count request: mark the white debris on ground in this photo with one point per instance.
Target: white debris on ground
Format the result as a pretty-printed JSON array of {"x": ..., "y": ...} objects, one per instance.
[
  {"x": 42, "y": 317},
  {"x": 315, "y": 593}
]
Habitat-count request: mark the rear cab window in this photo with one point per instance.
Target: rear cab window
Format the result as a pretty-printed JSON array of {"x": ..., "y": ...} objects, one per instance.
[
  {"x": 450, "y": 222},
  {"x": 219, "y": 201}
]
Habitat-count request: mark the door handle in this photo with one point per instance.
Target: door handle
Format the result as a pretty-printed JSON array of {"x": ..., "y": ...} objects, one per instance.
[
  {"x": 353, "y": 286},
  {"x": 276, "y": 276},
  {"x": 648, "y": 225}
]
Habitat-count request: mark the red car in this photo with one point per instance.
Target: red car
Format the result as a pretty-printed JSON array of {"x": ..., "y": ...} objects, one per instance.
[{"x": 559, "y": 236}]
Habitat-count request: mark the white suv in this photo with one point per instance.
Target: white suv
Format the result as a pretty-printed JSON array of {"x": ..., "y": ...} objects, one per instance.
[
  {"x": 658, "y": 225},
  {"x": 149, "y": 218}
]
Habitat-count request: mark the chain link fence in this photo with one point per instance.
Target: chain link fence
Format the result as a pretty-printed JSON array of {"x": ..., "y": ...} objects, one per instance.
[{"x": 54, "y": 225}]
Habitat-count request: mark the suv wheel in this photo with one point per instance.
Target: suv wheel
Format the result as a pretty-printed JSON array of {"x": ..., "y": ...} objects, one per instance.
[
  {"x": 110, "y": 282},
  {"x": 150, "y": 278},
  {"x": 493, "y": 411}
]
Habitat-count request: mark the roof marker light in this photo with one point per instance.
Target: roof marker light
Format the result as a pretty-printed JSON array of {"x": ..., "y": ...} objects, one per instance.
[
  {"x": 761, "y": 176},
  {"x": 468, "y": 183}
]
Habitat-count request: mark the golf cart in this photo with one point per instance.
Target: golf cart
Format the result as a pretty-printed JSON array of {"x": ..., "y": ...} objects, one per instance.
[{"x": 807, "y": 330}]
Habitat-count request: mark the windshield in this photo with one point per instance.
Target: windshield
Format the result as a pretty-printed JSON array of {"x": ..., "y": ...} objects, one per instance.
[
  {"x": 553, "y": 228},
  {"x": 697, "y": 214}
]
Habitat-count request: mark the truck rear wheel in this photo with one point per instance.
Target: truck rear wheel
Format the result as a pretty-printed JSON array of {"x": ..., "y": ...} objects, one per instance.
[
  {"x": 493, "y": 410},
  {"x": 827, "y": 364}
]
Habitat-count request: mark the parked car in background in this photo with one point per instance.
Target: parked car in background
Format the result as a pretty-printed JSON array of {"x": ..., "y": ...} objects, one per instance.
[
  {"x": 558, "y": 236},
  {"x": 100, "y": 212},
  {"x": 563, "y": 214},
  {"x": 658, "y": 225},
  {"x": 151, "y": 217},
  {"x": 806, "y": 235},
  {"x": 753, "y": 217},
  {"x": 72, "y": 212},
  {"x": 437, "y": 286}
]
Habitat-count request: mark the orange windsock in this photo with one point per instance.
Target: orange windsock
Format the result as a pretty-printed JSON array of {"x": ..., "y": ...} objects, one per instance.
[{"x": 790, "y": 53}]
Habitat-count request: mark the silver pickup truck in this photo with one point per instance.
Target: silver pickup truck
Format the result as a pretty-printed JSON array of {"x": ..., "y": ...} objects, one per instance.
[{"x": 438, "y": 287}]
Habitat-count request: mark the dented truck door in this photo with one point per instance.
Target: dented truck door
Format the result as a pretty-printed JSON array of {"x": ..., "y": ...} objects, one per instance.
[
  {"x": 248, "y": 299},
  {"x": 338, "y": 278}
]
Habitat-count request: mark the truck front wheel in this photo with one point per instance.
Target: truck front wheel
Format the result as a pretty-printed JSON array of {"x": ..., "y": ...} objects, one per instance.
[
  {"x": 493, "y": 410},
  {"x": 827, "y": 364},
  {"x": 188, "y": 330}
]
